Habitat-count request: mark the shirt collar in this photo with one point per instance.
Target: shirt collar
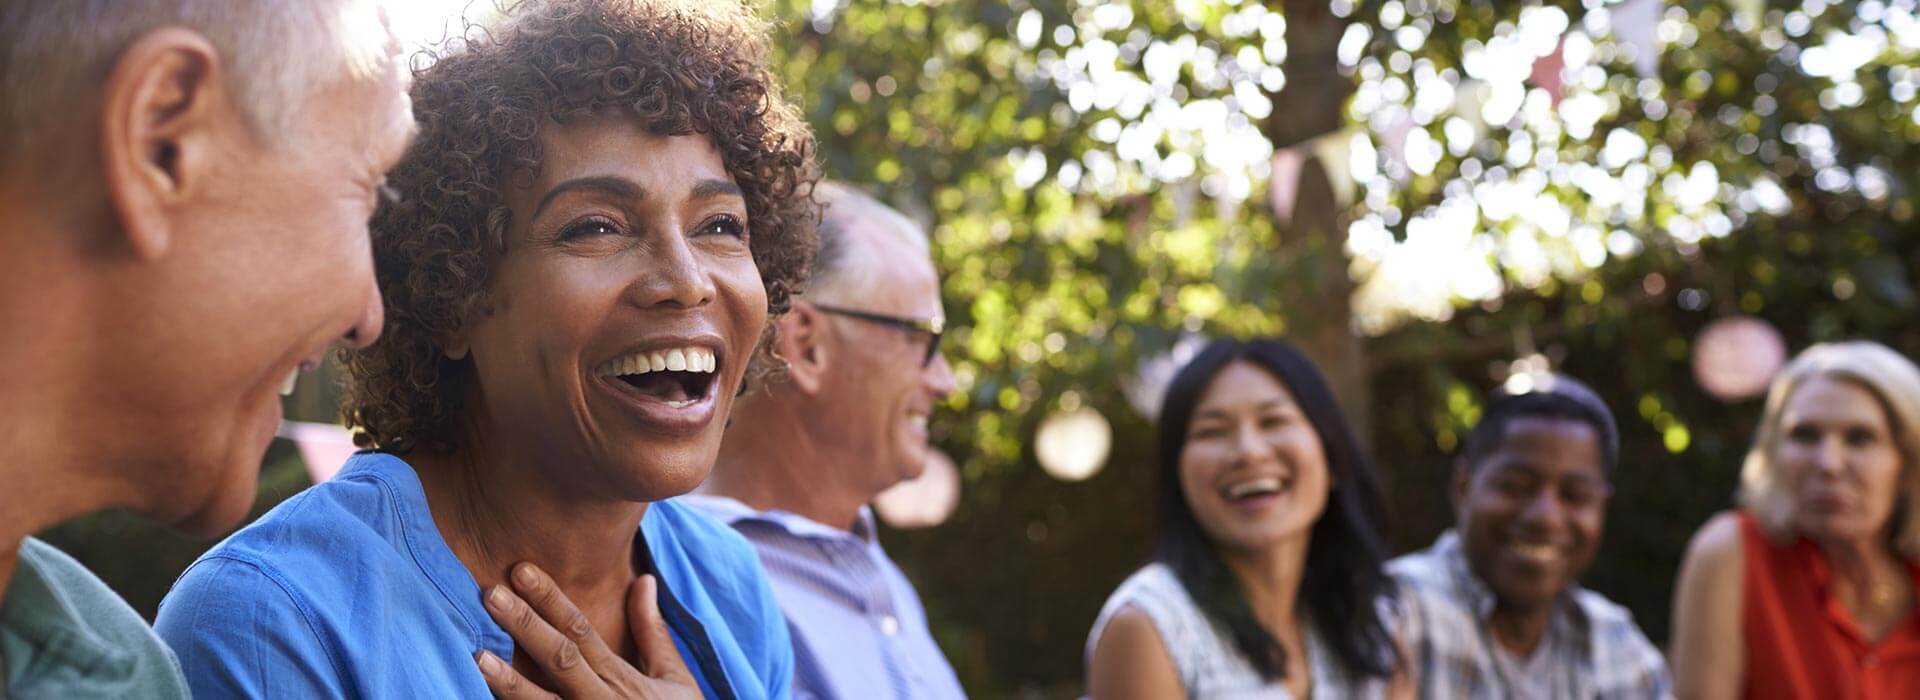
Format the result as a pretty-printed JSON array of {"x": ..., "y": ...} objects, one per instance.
[
  {"x": 436, "y": 559},
  {"x": 41, "y": 628},
  {"x": 732, "y": 511},
  {"x": 1481, "y": 599}
]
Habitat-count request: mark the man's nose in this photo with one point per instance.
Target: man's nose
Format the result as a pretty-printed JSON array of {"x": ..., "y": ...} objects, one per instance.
[
  {"x": 372, "y": 319},
  {"x": 939, "y": 376},
  {"x": 1544, "y": 510}
]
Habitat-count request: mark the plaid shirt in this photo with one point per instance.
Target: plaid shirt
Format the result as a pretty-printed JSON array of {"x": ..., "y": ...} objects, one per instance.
[{"x": 1445, "y": 624}]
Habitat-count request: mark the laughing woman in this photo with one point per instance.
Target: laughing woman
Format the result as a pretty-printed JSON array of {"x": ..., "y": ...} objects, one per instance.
[
  {"x": 606, "y": 201},
  {"x": 1268, "y": 580}
]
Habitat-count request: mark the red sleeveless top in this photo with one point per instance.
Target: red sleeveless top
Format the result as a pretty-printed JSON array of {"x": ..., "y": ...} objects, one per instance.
[{"x": 1802, "y": 644}]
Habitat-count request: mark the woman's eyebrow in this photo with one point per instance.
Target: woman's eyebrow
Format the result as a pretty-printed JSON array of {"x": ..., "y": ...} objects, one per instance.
[
  {"x": 605, "y": 184},
  {"x": 714, "y": 187}
]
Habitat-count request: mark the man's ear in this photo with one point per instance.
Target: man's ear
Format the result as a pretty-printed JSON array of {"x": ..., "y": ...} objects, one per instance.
[
  {"x": 1457, "y": 486},
  {"x": 161, "y": 107},
  {"x": 801, "y": 342}
]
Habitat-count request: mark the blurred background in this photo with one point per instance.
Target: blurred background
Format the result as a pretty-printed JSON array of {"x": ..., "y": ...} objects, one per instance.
[{"x": 1433, "y": 197}]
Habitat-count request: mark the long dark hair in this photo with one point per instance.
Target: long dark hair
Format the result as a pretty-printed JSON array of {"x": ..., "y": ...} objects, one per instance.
[{"x": 1345, "y": 576}]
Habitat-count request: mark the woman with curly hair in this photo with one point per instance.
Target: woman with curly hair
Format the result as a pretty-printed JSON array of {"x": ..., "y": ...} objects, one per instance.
[{"x": 606, "y": 202}]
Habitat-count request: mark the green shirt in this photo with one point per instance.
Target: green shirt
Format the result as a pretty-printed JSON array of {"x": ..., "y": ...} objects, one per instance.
[{"x": 64, "y": 634}]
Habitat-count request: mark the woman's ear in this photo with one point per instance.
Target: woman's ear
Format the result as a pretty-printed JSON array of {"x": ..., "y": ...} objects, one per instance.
[{"x": 454, "y": 345}]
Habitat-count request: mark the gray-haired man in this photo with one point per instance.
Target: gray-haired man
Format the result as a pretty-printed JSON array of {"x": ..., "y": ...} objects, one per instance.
[
  {"x": 805, "y": 455},
  {"x": 186, "y": 188}
]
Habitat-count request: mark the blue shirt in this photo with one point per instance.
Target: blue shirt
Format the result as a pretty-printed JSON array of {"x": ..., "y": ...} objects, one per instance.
[
  {"x": 348, "y": 590},
  {"x": 857, "y": 625}
]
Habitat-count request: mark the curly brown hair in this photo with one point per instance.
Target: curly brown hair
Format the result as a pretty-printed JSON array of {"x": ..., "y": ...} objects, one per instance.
[{"x": 677, "y": 66}]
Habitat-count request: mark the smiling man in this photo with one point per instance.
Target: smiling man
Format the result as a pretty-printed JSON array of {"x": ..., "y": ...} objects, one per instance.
[
  {"x": 1493, "y": 608},
  {"x": 186, "y": 189},
  {"x": 807, "y": 452}
]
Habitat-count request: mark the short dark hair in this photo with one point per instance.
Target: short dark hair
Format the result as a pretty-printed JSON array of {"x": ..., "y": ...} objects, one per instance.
[
  {"x": 1555, "y": 397},
  {"x": 1345, "y": 576}
]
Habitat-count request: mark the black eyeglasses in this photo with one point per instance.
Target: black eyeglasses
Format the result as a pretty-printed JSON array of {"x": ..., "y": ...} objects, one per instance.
[{"x": 933, "y": 327}]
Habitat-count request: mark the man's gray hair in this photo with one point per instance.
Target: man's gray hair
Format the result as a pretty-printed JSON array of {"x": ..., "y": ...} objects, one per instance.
[
  {"x": 835, "y": 267},
  {"x": 54, "y": 54}
]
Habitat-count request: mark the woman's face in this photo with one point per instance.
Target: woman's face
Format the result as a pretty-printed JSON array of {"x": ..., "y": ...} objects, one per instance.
[
  {"x": 1253, "y": 469},
  {"x": 1836, "y": 455},
  {"x": 622, "y": 312}
]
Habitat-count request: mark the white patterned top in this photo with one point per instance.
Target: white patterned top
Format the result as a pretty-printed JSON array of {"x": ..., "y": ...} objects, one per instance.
[{"x": 1203, "y": 654}]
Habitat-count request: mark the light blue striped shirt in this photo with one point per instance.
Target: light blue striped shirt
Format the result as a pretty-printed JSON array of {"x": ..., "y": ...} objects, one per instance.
[{"x": 857, "y": 625}]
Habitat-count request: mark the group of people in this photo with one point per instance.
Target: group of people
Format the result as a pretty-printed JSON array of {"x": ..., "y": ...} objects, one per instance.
[
  {"x": 1270, "y": 579},
  {"x": 628, "y": 372}
]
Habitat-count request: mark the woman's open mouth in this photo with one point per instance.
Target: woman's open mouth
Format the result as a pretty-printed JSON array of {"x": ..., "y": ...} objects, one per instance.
[{"x": 672, "y": 388}]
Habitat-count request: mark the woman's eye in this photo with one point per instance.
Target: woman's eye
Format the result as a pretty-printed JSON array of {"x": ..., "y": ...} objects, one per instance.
[
  {"x": 1860, "y": 438},
  {"x": 1208, "y": 433},
  {"x": 590, "y": 227},
  {"x": 724, "y": 226}
]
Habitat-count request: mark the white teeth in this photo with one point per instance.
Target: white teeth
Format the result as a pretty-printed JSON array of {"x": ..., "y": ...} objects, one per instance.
[
  {"x": 1534, "y": 551},
  {"x": 293, "y": 379},
  {"x": 675, "y": 359},
  {"x": 917, "y": 421},
  {"x": 1256, "y": 486}
]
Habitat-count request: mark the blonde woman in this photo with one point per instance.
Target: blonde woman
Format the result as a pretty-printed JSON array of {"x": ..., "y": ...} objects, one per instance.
[{"x": 1807, "y": 590}]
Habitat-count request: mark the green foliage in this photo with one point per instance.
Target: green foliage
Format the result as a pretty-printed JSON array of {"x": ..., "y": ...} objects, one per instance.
[
  {"x": 1768, "y": 190},
  {"x": 1086, "y": 205},
  {"x": 1609, "y": 224}
]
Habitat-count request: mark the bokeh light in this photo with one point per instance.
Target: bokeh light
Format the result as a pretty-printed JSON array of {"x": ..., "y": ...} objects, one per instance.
[
  {"x": 923, "y": 501},
  {"x": 1073, "y": 445}
]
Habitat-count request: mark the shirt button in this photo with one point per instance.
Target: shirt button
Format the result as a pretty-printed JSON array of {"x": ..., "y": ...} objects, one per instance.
[{"x": 889, "y": 625}]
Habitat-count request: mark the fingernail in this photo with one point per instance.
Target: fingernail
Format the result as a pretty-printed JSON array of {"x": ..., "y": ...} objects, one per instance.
[
  {"x": 524, "y": 575},
  {"x": 498, "y": 598},
  {"x": 489, "y": 664}
]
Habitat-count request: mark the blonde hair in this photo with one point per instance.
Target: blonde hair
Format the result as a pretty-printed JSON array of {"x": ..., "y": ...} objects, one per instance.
[
  {"x": 1893, "y": 380},
  {"x": 274, "y": 53}
]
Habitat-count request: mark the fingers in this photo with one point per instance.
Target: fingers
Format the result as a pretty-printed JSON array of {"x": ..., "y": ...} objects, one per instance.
[
  {"x": 538, "y": 628},
  {"x": 546, "y": 598},
  {"x": 659, "y": 658},
  {"x": 506, "y": 683}
]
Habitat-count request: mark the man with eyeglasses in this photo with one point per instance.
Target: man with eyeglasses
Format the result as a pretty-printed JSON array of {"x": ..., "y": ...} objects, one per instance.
[
  {"x": 1493, "y": 609},
  {"x": 809, "y": 448}
]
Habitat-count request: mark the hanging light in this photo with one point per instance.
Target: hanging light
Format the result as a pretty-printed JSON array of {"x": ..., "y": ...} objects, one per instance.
[
  {"x": 1072, "y": 445},
  {"x": 1736, "y": 357},
  {"x": 923, "y": 501},
  {"x": 1527, "y": 374}
]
